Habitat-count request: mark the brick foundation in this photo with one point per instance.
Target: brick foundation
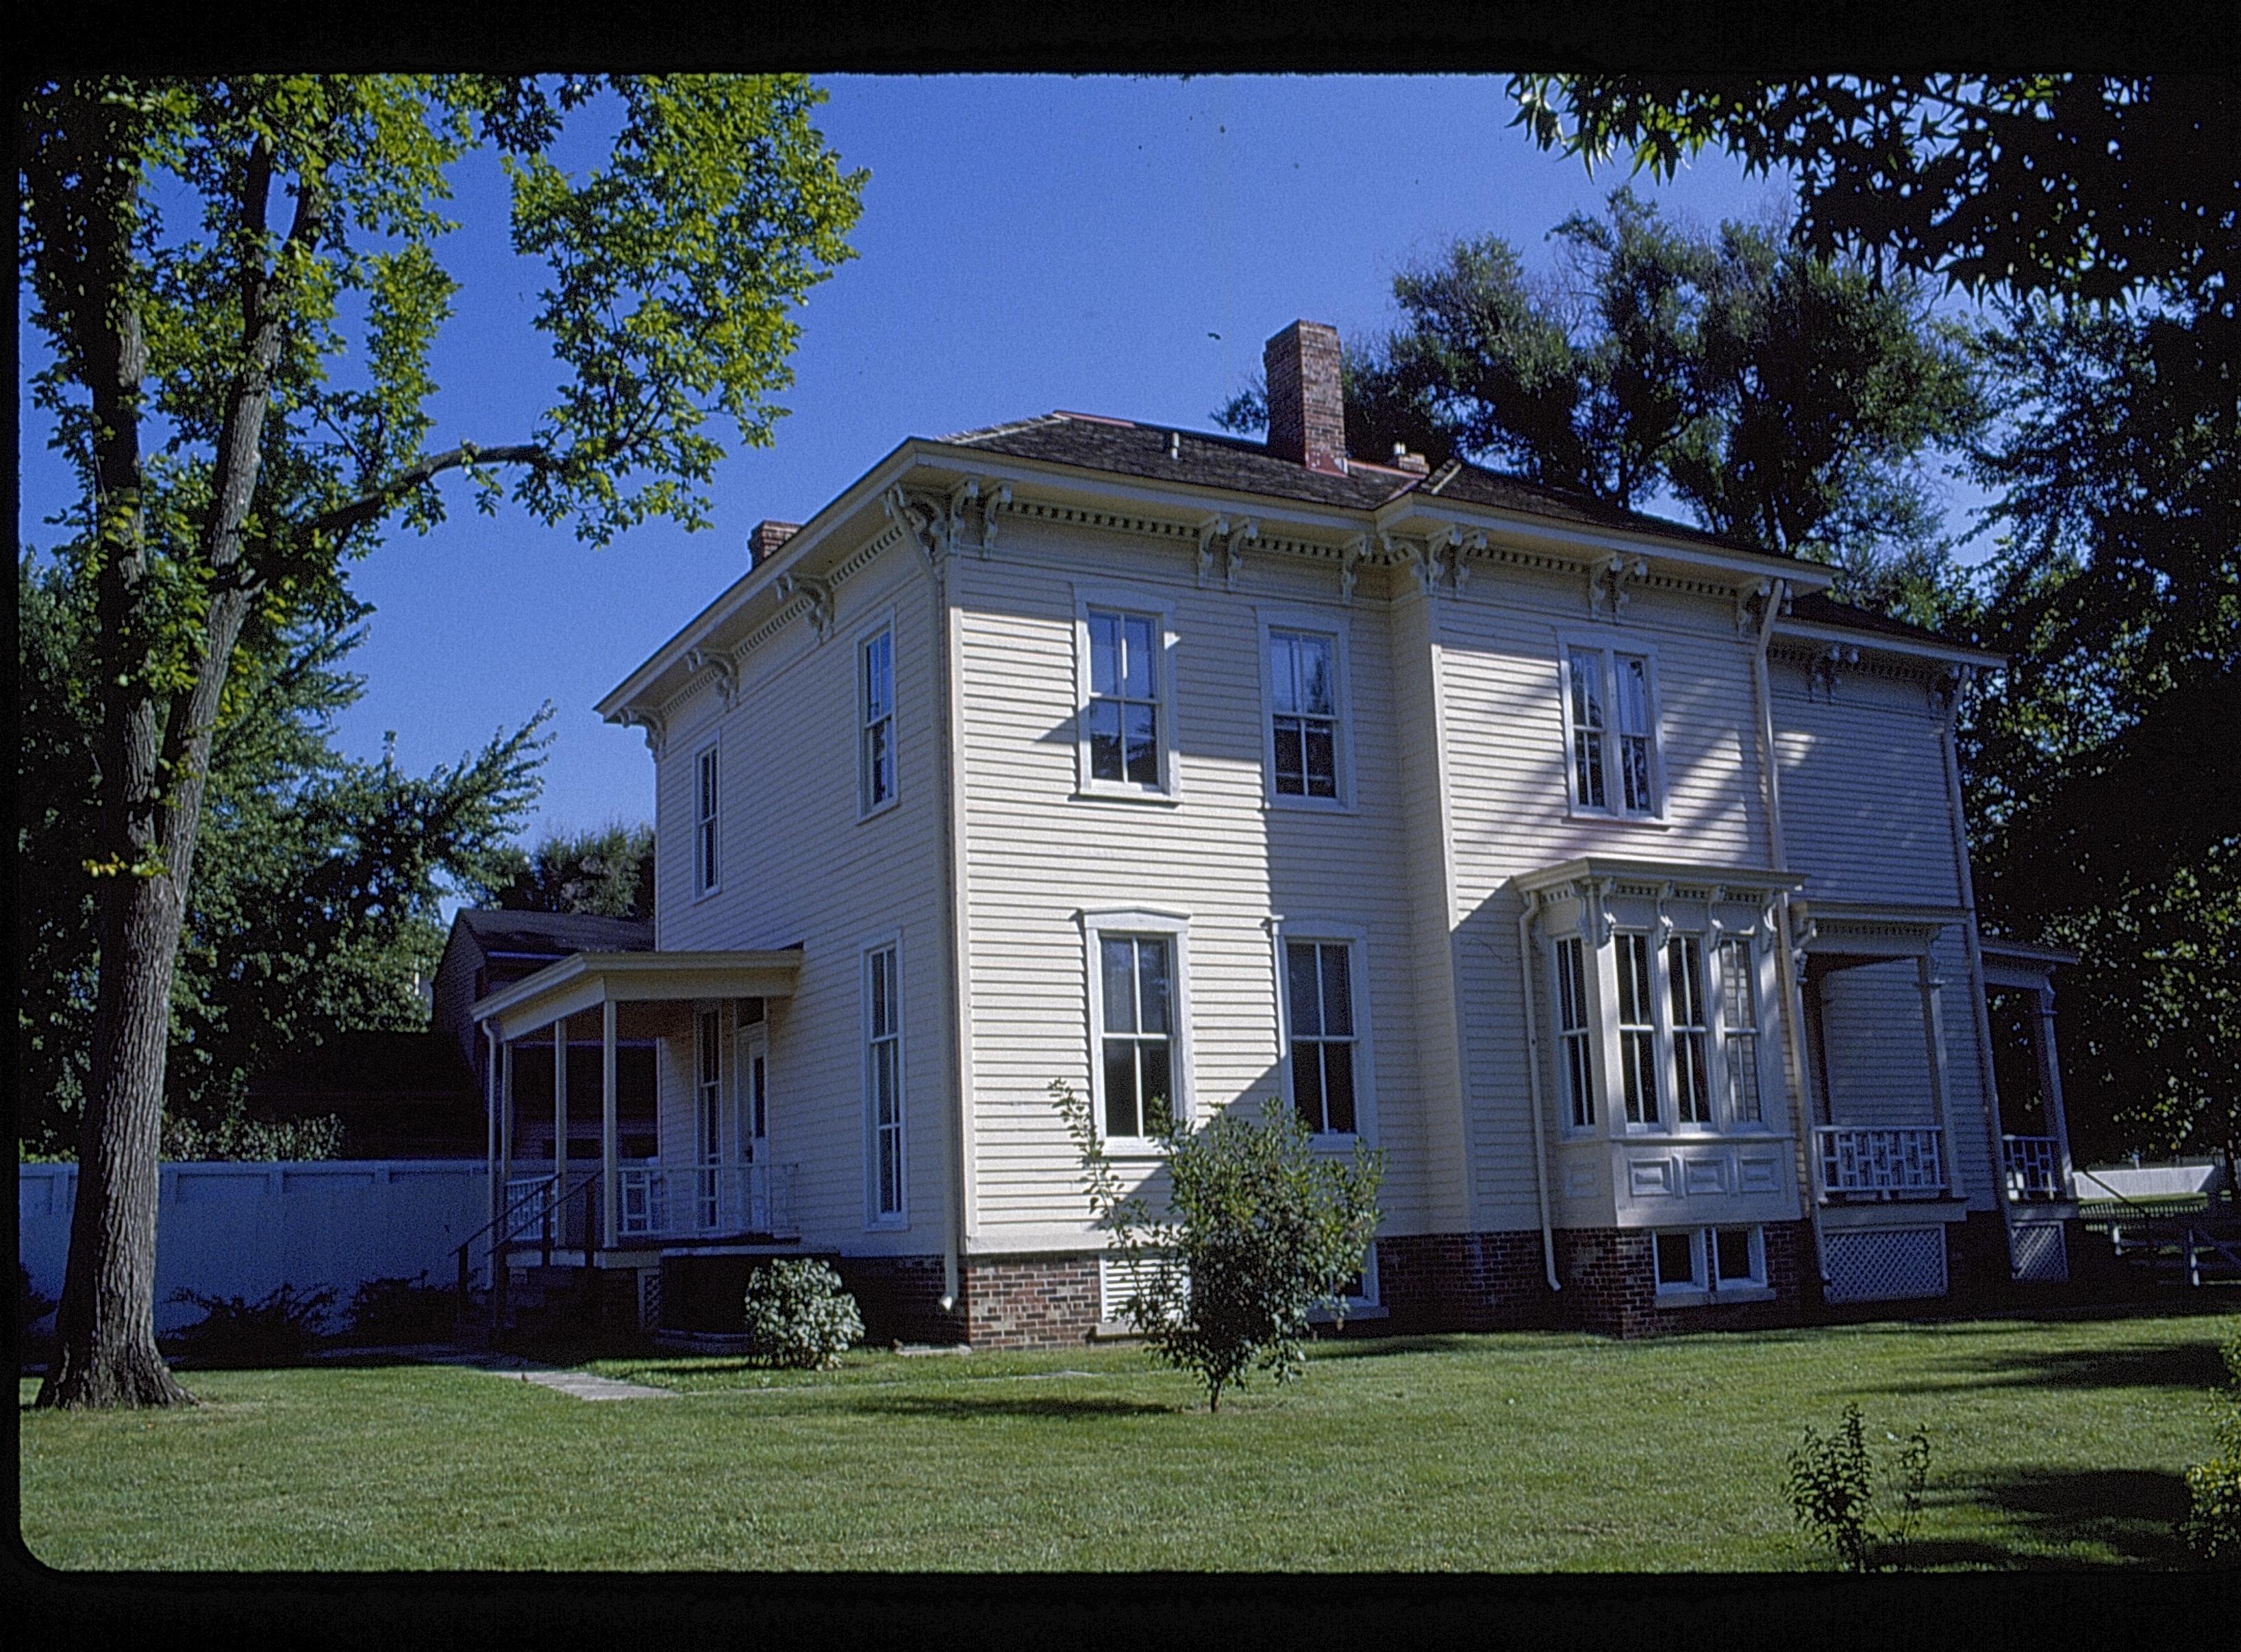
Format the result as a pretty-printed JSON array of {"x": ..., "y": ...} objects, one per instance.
[
  {"x": 1610, "y": 1284},
  {"x": 1463, "y": 1281},
  {"x": 1030, "y": 1301},
  {"x": 901, "y": 1299}
]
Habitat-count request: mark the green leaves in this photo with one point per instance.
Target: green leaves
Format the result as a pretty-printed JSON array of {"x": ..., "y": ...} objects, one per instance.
[
  {"x": 674, "y": 272},
  {"x": 1262, "y": 1230}
]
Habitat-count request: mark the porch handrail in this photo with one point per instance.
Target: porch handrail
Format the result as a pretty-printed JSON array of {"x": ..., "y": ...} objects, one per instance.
[
  {"x": 2033, "y": 1166},
  {"x": 677, "y": 1199},
  {"x": 1881, "y": 1161},
  {"x": 501, "y": 1223}
]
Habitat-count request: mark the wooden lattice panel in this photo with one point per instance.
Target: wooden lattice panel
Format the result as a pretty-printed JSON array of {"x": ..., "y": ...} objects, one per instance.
[
  {"x": 2037, "y": 1253},
  {"x": 1886, "y": 1264}
]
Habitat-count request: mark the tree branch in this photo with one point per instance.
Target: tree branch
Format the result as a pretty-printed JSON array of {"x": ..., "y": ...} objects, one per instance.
[{"x": 367, "y": 506}]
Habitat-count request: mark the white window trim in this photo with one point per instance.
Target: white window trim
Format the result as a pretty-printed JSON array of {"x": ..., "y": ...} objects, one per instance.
[
  {"x": 864, "y": 639},
  {"x": 1355, "y": 939},
  {"x": 1334, "y": 626},
  {"x": 1606, "y": 647},
  {"x": 1134, "y": 599},
  {"x": 701, "y": 890},
  {"x": 1136, "y": 920},
  {"x": 874, "y": 1217}
]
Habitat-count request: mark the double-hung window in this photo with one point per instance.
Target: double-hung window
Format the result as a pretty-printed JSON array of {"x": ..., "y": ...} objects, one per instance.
[
  {"x": 708, "y": 1114},
  {"x": 875, "y": 701},
  {"x": 1303, "y": 698},
  {"x": 1137, "y": 982},
  {"x": 1122, "y": 717},
  {"x": 1138, "y": 1017},
  {"x": 1575, "y": 1033},
  {"x": 1610, "y": 731},
  {"x": 1319, "y": 994},
  {"x": 883, "y": 1082},
  {"x": 706, "y": 838}
]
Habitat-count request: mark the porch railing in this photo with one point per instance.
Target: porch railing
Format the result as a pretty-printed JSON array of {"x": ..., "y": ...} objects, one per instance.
[
  {"x": 701, "y": 1200},
  {"x": 1874, "y": 1162},
  {"x": 2034, "y": 1166}
]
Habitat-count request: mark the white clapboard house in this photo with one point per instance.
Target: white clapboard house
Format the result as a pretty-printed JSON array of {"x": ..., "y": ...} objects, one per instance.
[{"x": 1607, "y": 875}]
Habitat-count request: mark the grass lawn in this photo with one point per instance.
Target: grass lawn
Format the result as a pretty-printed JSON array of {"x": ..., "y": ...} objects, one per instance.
[{"x": 2056, "y": 1441}]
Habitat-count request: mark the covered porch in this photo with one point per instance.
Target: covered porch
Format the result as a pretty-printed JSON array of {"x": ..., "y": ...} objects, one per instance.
[{"x": 712, "y": 1178}]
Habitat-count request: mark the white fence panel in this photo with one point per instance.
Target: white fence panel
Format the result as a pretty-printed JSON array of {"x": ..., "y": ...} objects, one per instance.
[{"x": 244, "y": 1229}]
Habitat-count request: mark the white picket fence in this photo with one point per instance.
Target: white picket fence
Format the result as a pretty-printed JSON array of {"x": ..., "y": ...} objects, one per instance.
[{"x": 244, "y": 1229}]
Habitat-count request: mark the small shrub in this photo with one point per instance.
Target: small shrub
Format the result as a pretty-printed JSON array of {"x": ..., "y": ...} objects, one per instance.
[
  {"x": 401, "y": 1310},
  {"x": 279, "y": 1328},
  {"x": 798, "y": 1315},
  {"x": 2212, "y": 1528},
  {"x": 1261, "y": 1231},
  {"x": 1832, "y": 1493}
]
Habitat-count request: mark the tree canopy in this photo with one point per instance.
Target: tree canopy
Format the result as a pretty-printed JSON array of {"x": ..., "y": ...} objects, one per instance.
[
  {"x": 237, "y": 282},
  {"x": 319, "y": 877},
  {"x": 1788, "y": 400},
  {"x": 608, "y": 873},
  {"x": 2100, "y": 216}
]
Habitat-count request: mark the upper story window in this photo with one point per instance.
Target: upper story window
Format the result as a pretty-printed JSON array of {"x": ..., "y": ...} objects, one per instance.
[
  {"x": 705, "y": 837},
  {"x": 1610, "y": 731},
  {"x": 876, "y": 711},
  {"x": 1124, "y": 694},
  {"x": 1123, "y": 713},
  {"x": 1303, "y": 714}
]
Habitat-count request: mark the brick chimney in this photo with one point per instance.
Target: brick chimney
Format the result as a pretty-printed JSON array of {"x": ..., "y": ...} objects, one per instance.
[
  {"x": 763, "y": 542},
  {"x": 1307, "y": 408}
]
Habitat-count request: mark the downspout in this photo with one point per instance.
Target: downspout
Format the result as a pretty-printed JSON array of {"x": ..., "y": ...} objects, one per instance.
[
  {"x": 1981, "y": 1010},
  {"x": 935, "y": 537},
  {"x": 1533, "y": 1077},
  {"x": 1793, "y": 995}
]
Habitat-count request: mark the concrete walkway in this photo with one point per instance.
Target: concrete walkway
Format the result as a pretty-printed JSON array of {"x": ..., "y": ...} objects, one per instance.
[{"x": 581, "y": 1384}]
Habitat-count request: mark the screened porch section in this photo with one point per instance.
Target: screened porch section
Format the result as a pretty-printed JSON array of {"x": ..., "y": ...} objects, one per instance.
[{"x": 697, "y": 1168}]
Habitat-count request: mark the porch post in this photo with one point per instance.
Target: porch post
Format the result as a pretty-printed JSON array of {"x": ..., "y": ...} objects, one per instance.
[
  {"x": 489, "y": 1117},
  {"x": 504, "y": 1115},
  {"x": 611, "y": 1176},
  {"x": 560, "y": 1115},
  {"x": 2049, "y": 1085},
  {"x": 1933, "y": 1030}
]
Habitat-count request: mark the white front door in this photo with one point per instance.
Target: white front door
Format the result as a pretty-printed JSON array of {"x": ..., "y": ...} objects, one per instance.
[{"x": 754, "y": 1094}]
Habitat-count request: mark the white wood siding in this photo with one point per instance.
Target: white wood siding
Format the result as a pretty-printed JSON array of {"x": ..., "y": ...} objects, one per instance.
[
  {"x": 798, "y": 867},
  {"x": 1036, "y": 855},
  {"x": 1510, "y": 809}
]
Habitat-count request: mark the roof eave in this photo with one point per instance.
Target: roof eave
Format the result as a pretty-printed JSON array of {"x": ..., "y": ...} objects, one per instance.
[{"x": 1884, "y": 642}]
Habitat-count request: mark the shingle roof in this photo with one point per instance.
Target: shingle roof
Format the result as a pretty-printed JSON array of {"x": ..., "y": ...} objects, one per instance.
[
  {"x": 1816, "y": 608},
  {"x": 1163, "y": 454},
  {"x": 556, "y": 935}
]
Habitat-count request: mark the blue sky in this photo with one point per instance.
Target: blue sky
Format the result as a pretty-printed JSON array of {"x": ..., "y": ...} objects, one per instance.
[{"x": 1119, "y": 246}]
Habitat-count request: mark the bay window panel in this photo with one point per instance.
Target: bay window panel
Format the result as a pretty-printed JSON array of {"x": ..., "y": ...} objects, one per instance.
[
  {"x": 1637, "y": 1033},
  {"x": 1739, "y": 1024},
  {"x": 1692, "y": 1085}
]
